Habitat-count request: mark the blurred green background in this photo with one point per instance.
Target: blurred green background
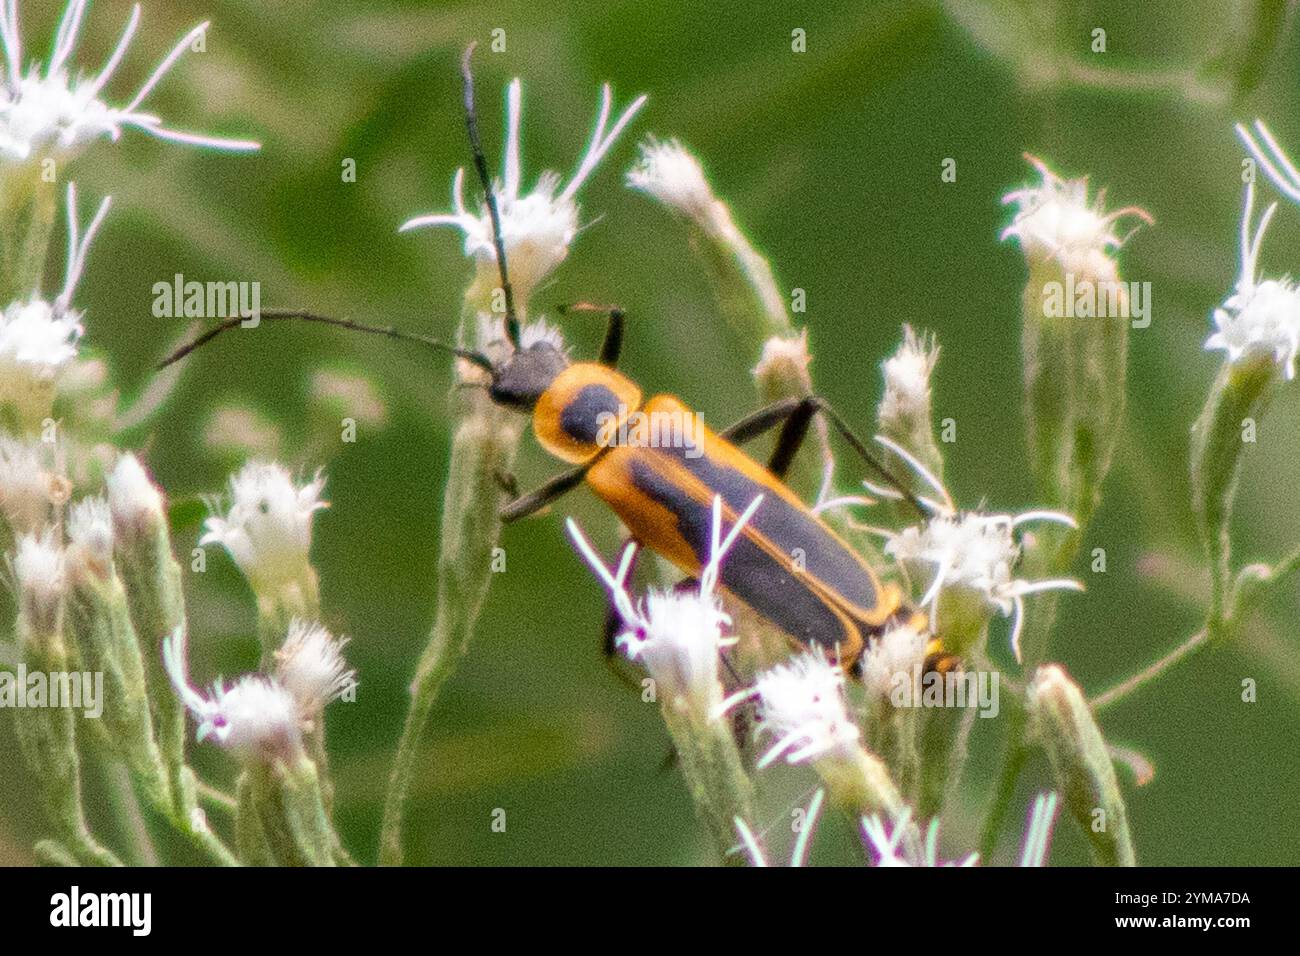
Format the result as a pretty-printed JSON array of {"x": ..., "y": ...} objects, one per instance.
[{"x": 831, "y": 162}]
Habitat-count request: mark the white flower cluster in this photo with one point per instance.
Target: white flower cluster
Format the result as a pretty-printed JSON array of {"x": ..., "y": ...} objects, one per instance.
[
  {"x": 977, "y": 552},
  {"x": 267, "y": 529},
  {"x": 262, "y": 717},
  {"x": 1260, "y": 318},
  {"x": 1055, "y": 220},
  {"x": 802, "y": 706},
  {"x": 536, "y": 227},
  {"x": 676, "y": 634},
  {"x": 57, "y": 108},
  {"x": 38, "y": 338}
]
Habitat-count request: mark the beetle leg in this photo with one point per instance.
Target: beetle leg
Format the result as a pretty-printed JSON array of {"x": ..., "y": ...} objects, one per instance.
[
  {"x": 761, "y": 422},
  {"x": 794, "y": 414},
  {"x": 507, "y": 482},
  {"x": 859, "y": 446},
  {"x": 790, "y": 439},
  {"x": 535, "y": 501},
  {"x": 612, "y": 346}
]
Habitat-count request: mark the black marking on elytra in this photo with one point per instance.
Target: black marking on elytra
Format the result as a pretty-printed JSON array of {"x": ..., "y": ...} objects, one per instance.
[
  {"x": 581, "y": 418},
  {"x": 752, "y": 574},
  {"x": 789, "y": 528}
]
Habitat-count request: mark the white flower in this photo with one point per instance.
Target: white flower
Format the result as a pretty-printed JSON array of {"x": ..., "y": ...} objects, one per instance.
[
  {"x": 38, "y": 339},
  {"x": 1055, "y": 221},
  {"x": 133, "y": 499},
  {"x": 977, "y": 553},
  {"x": 895, "y": 846},
  {"x": 907, "y": 378},
  {"x": 1259, "y": 318},
  {"x": 310, "y": 666},
  {"x": 669, "y": 172},
  {"x": 90, "y": 529},
  {"x": 896, "y": 655},
  {"x": 801, "y": 705},
  {"x": 268, "y": 527},
  {"x": 256, "y": 718},
  {"x": 536, "y": 228},
  {"x": 27, "y": 487},
  {"x": 677, "y": 635},
  {"x": 968, "y": 551},
  {"x": 1277, "y": 165},
  {"x": 56, "y": 107},
  {"x": 39, "y": 570}
]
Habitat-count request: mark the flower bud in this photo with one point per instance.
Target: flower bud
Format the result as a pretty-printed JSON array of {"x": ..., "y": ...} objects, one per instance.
[
  {"x": 1258, "y": 327},
  {"x": 99, "y": 618},
  {"x": 42, "y": 582},
  {"x": 1075, "y": 357},
  {"x": 47, "y": 735},
  {"x": 29, "y": 490},
  {"x": 741, "y": 276},
  {"x": 1062, "y": 723},
  {"x": 151, "y": 576},
  {"x": 782, "y": 373},
  {"x": 905, "y": 414}
]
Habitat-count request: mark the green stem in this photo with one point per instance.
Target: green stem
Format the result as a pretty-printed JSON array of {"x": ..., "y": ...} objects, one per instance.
[
  {"x": 715, "y": 775},
  {"x": 408, "y": 749},
  {"x": 484, "y": 446},
  {"x": 1147, "y": 674},
  {"x": 217, "y": 799},
  {"x": 1013, "y": 761},
  {"x": 128, "y": 825},
  {"x": 199, "y": 837}
]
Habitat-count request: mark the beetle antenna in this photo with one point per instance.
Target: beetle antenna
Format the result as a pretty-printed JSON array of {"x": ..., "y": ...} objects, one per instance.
[
  {"x": 480, "y": 166},
  {"x": 300, "y": 315}
]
